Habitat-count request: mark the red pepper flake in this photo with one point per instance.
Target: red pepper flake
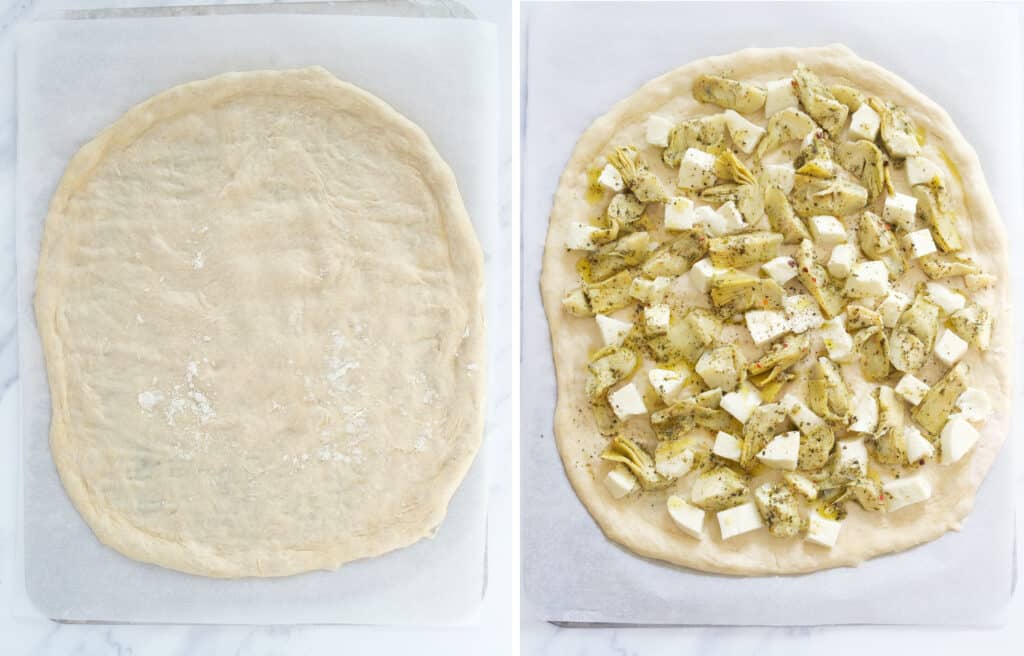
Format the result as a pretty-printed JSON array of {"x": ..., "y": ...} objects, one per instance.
[{"x": 805, "y": 269}]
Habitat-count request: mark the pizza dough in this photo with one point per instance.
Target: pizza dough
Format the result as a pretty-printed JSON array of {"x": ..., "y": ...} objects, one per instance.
[
  {"x": 640, "y": 522},
  {"x": 260, "y": 301}
]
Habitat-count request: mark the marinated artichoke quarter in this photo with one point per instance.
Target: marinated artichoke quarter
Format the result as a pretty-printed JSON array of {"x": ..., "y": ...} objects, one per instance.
[{"x": 785, "y": 302}]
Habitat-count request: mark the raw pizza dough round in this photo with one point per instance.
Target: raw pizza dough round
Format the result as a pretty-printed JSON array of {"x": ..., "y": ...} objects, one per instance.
[
  {"x": 260, "y": 300},
  {"x": 642, "y": 523}
]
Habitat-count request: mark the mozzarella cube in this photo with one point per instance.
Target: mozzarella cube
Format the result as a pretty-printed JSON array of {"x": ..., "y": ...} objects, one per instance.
[
  {"x": 658, "y": 130},
  {"x": 977, "y": 281},
  {"x": 853, "y": 455},
  {"x": 827, "y": 230},
  {"x": 948, "y": 300},
  {"x": 957, "y": 438},
  {"x": 611, "y": 179},
  {"x": 798, "y": 411},
  {"x": 974, "y": 405},
  {"x": 779, "y": 94},
  {"x": 917, "y": 445},
  {"x": 837, "y": 341},
  {"x": 743, "y": 133},
  {"x": 627, "y": 402},
  {"x": 906, "y": 491},
  {"x": 650, "y": 291},
  {"x": 801, "y": 484},
  {"x": 701, "y": 274},
  {"x": 821, "y": 531},
  {"x": 921, "y": 243},
  {"x": 900, "y": 210},
  {"x": 727, "y": 446},
  {"x": 620, "y": 481},
  {"x": 864, "y": 123},
  {"x": 689, "y": 519},
  {"x": 912, "y": 389},
  {"x": 921, "y": 170},
  {"x": 802, "y": 312},
  {"x": 696, "y": 170},
  {"x": 782, "y": 452},
  {"x": 778, "y": 175},
  {"x": 765, "y": 325},
  {"x": 613, "y": 331},
  {"x": 841, "y": 261},
  {"x": 865, "y": 413},
  {"x": 895, "y": 304},
  {"x": 679, "y": 214},
  {"x": 581, "y": 237},
  {"x": 732, "y": 217},
  {"x": 667, "y": 383},
  {"x": 949, "y": 348},
  {"x": 781, "y": 269},
  {"x": 902, "y": 145},
  {"x": 741, "y": 403},
  {"x": 717, "y": 369},
  {"x": 712, "y": 220},
  {"x": 869, "y": 278},
  {"x": 739, "y": 520},
  {"x": 656, "y": 319}
]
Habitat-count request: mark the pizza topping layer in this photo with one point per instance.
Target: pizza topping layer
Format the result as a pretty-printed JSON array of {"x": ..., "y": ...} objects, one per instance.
[{"x": 784, "y": 314}]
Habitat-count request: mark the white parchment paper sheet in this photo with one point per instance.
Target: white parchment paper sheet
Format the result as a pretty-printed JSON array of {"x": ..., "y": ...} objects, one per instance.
[
  {"x": 75, "y": 78},
  {"x": 582, "y": 59}
]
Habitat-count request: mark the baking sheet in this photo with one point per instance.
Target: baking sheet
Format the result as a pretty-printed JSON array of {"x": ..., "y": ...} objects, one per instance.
[
  {"x": 965, "y": 58},
  {"x": 76, "y": 77}
]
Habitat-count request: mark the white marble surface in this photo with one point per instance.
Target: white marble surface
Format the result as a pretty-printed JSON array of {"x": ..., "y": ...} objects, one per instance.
[{"x": 497, "y": 631}]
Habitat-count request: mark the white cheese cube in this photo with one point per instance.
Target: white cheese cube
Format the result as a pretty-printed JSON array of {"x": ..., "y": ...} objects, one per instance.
[
  {"x": 957, "y": 438},
  {"x": 679, "y": 214},
  {"x": 613, "y": 331},
  {"x": 900, "y": 210},
  {"x": 821, "y": 531},
  {"x": 611, "y": 179},
  {"x": 743, "y": 133},
  {"x": 827, "y": 230},
  {"x": 627, "y": 402},
  {"x": 689, "y": 519},
  {"x": 782, "y": 451},
  {"x": 802, "y": 312},
  {"x": 853, "y": 455},
  {"x": 727, "y": 446},
  {"x": 656, "y": 319},
  {"x": 895, "y": 304},
  {"x": 650, "y": 291},
  {"x": 948, "y": 300},
  {"x": 701, "y": 274},
  {"x": 837, "y": 341},
  {"x": 906, "y": 491},
  {"x": 801, "y": 484},
  {"x": 667, "y": 383},
  {"x": 741, "y": 403},
  {"x": 869, "y": 278},
  {"x": 912, "y": 389},
  {"x": 917, "y": 445},
  {"x": 696, "y": 170},
  {"x": 779, "y": 94},
  {"x": 732, "y": 217},
  {"x": 673, "y": 464},
  {"x": 716, "y": 370},
  {"x": 865, "y": 413},
  {"x": 921, "y": 243},
  {"x": 903, "y": 145},
  {"x": 765, "y": 325},
  {"x": 781, "y": 269},
  {"x": 739, "y": 520},
  {"x": 620, "y": 481},
  {"x": 710, "y": 219},
  {"x": 658, "y": 129},
  {"x": 921, "y": 170},
  {"x": 802, "y": 416},
  {"x": 974, "y": 405},
  {"x": 976, "y": 281},
  {"x": 581, "y": 237},
  {"x": 778, "y": 175},
  {"x": 840, "y": 263},
  {"x": 864, "y": 123},
  {"x": 949, "y": 348}
]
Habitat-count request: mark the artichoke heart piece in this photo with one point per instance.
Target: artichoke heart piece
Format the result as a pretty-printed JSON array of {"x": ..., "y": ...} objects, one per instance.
[
  {"x": 913, "y": 336},
  {"x": 815, "y": 157},
  {"x": 607, "y": 367},
  {"x": 782, "y": 219},
  {"x": 609, "y": 259},
  {"x": 609, "y": 295},
  {"x": 868, "y": 493},
  {"x": 827, "y": 393},
  {"x": 974, "y": 325},
  {"x": 864, "y": 160},
  {"x": 706, "y": 133},
  {"x": 729, "y": 167},
  {"x": 897, "y": 131},
  {"x": 730, "y": 94},
  {"x": 835, "y": 197},
  {"x": 625, "y": 209},
  {"x": 859, "y": 317},
  {"x": 947, "y": 265},
  {"x": 819, "y": 101},
  {"x": 936, "y": 406},
  {"x": 685, "y": 415},
  {"x": 816, "y": 436},
  {"x": 644, "y": 184},
  {"x": 748, "y": 198},
  {"x": 686, "y": 338},
  {"x": 874, "y": 235},
  {"x": 742, "y": 250},
  {"x": 779, "y": 508},
  {"x": 718, "y": 489},
  {"x": 873, "y": 348},
  {"x": 764, "y": 423},
  {"x": 782, "y": 355},
  {"x": 608, "y": 423},
  {"x": 629, "y": 453},
  {"x": 935, "y": 208},
  {"x": 576, "y": 303},
  {"x": 816, "y": 279},
  {"x": 888, "y": 445},
  {"x": 723, "y": 367},
  {"x": 677, "y": 256},
  {"x": 852, "y": 98},
  {"x": 784, "y": 126},
  {"x": 733, "y": 291}
]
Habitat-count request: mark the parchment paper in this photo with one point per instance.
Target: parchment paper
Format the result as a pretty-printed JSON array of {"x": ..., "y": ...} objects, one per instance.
[
  {"x": 76, "y": 77},
  {"x": 583, "y": 58}
]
